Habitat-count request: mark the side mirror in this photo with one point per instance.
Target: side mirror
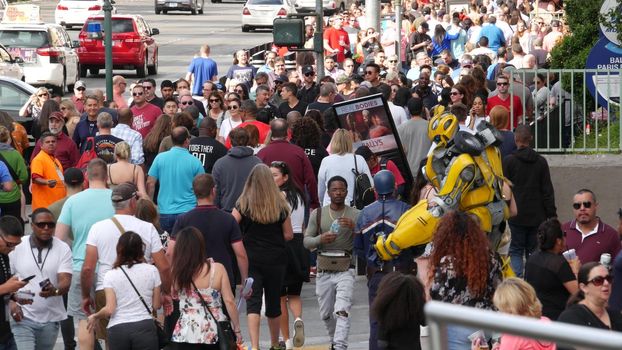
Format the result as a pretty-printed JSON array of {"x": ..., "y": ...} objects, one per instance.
[
  {"x": 155, "y": 31},
  {"x": 18, "y": 60},
  {"x": 75, "y": 43},
  {"x": 112, "y": 2}
]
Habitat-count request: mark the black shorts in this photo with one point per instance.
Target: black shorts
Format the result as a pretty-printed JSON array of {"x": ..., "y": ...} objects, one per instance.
[{"x": 268, "y": 280}]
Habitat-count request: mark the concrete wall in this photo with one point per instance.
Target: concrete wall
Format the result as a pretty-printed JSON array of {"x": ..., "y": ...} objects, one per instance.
[{"x": 600, "y": 173}]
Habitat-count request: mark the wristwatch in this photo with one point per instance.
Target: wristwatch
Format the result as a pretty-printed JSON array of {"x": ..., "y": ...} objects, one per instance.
[{"x": 56, "y": 291}]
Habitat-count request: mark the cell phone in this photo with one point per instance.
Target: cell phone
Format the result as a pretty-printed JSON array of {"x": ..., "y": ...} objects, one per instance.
[
  {"x": 44, "y": 284},
  {"x": 27, "y": 279}
]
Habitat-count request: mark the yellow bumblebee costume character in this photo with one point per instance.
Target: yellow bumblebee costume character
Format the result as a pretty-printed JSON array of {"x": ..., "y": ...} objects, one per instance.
[{"x": 466, "y": 171}]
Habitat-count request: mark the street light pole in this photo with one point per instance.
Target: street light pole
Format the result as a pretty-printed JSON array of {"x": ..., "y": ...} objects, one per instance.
[{"x": 108, "y": 46}]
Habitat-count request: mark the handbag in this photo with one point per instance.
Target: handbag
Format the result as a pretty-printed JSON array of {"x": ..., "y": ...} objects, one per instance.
[
  {"x": 226, "y": 336},
  {"x": 163, "y": 339}
]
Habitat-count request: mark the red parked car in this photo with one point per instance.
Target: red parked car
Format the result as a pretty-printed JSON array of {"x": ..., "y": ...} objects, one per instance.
[{"x": 133, "y": 46}]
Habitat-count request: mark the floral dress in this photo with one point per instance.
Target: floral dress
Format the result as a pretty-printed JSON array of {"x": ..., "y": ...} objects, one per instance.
[{"x": 195, "y": 326}]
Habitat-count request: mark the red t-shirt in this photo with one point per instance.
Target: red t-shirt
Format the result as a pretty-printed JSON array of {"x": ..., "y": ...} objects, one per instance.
[
  {"x": 518, "y": 108},
  {"x": 334, "y": 37},
  {"x": 263, "y": 128},
  {"x": 144, "y": 118},
  {"x": 399, "y": 179}
]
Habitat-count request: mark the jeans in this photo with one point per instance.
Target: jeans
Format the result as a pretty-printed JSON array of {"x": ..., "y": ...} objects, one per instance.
[
  {"x": 31, "y": 335},
  {"x": 167, "y": 221},
  {"x": 372, "y": 286},
  {"x": 334, "y": 293},
  {"x": 458, "y": 337},
  {"x": 9, "y": 345},
  {"x": 523, "y": 244}
]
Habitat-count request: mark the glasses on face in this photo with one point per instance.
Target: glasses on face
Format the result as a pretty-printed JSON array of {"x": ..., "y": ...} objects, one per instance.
[
  {"x": 43, "y": 94},
  {"x": 186, "y": 103},
  {"x": 369, "y": 72},
  {"x": 81, "y": 89},
  {"x": 600, "y": 280},
  {"x": 454, "y": 93},
  {"x": 137, "y": 93},
  {"x": 45, "y": 224},
  {"x": 239, "y": 91},
  {"x": 234, "y": 107},
  {"x": 309, "y": 74},
  {"x": 586, "y": 205},
  {"x": 147, "y": 87},
  {"x": 214, "y": 100},
  {"x": 503, "y": 84},
  {"x": 9, "y": 244}
]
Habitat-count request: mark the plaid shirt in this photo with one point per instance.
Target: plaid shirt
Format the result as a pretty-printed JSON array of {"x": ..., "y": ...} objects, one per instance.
[{"x": 135, "y": 140}]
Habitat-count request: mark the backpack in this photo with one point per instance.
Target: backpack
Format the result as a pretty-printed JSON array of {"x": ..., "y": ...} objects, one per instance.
[
  {"x": 363, "y": 190},
  {"x": 88, "y": 155}
]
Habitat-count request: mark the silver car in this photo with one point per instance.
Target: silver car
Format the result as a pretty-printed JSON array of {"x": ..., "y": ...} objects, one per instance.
[{"x": 193, "y": 6}]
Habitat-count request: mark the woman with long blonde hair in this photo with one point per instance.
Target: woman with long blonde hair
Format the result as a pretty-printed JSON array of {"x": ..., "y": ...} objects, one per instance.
[
  {"x": 264, "y": 217},
  {"x": 123, "y": 171},
  {"x": 32, "y": 107}
]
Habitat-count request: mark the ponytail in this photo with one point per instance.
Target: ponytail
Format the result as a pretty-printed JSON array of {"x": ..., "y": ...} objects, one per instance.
[{"x": 576, "y": 298}]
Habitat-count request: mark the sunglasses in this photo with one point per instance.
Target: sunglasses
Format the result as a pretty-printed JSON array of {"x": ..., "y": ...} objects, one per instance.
[
  {"x": 216, "y": 100},
  {"x": 81, "y": 89},
  {"x": 45, "y": 224},
  {"x": 309, "y": 74},
  {"x": 147, "y": 87},
  {"x": 577, "y": 206},
  {"x": 9, "y": 244},
  {"x": 368, "y": 72},
  {"x": 600, "y": 280},
  {"x": 232, "y": 107},
  {"x": 186, "y": 103},
  {"x": 455, "y": 93},
  {"x": 239, "y": 91},
  {"x": 392, "y": 61},
  {"x": 503, "y": 84},
  {"x": 44, "y": 94},
  {"x": 137, "y": 93}
]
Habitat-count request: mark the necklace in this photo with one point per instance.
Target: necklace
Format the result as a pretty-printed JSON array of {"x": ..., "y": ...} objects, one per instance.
[
  {"x": 330, "y": 212},
  {"x": 5, "y": 269}
]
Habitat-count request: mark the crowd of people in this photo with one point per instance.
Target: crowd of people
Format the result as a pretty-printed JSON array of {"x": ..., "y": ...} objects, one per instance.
[{"x": 171, "y": 201}]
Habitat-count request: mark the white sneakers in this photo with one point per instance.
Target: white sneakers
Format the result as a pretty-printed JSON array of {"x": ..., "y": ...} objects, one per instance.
[
  {"x": 289, "y": 344},
  {"x": 299, "y": 333}
]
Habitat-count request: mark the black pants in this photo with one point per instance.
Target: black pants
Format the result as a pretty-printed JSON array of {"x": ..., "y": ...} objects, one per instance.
[
  {"x": 141, "y": 335},
  {"x": 188, "y": 346},
  {"x": 268, "y": 280},
  {"x": 13, "y": 209}
]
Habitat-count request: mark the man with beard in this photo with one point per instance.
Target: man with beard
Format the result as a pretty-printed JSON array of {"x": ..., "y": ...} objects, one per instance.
[
  {"x": 47, "y": 174},
  {"x": 66, "y": 150},
  {"x": 48, "y": 259}
]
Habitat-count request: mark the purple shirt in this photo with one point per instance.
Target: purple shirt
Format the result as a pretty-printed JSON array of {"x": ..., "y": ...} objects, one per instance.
[{"x": 604, "y": 240}]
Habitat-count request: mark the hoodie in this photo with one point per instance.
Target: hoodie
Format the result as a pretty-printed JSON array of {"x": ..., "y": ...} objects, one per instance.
[
  {"x": 532, "y": 187},
  {"x": 230, "y": 173}
]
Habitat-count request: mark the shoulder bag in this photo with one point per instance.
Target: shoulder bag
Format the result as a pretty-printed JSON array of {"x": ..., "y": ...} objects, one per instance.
[
  {"x": 226, "y": 336},
  {"x": 163, "y": 340}
]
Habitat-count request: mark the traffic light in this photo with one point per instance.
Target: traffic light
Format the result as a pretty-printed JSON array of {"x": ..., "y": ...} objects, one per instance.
[{"x": 288, "y": 32}]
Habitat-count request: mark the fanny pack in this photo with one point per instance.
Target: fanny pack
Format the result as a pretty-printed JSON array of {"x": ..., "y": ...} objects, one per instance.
[{"x": 334, "y": 261}]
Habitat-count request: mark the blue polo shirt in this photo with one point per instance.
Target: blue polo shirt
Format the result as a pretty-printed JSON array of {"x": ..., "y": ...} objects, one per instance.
[{"x": 175, "y": 170}]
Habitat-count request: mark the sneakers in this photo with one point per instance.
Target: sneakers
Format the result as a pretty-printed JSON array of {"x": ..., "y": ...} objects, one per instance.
[
  {"x": 289, "y": 344},
  {"x": 299, "y": 333}
]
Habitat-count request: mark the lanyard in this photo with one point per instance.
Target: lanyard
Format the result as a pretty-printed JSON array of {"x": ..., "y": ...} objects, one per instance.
[{"x": 39, "y": 255}]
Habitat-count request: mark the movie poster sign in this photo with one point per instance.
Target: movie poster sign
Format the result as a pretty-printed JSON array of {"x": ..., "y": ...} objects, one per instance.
[{"x": 370, "y": 123}]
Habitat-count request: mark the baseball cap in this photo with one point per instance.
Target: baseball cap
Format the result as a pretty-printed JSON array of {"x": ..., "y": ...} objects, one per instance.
[
  {"x": 342, "y": 79},
  {"x": 57, "y": 115},
  {"x": 308, "y": 69},
  {"x": 73, "y": 176},
  {"x": 123, "y": 192},
  {"x": 79, "y": 84}
]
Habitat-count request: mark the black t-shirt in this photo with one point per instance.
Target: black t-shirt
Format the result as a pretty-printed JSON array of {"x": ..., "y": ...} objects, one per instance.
[
  {"x": 158, "y": 102},
  {"x": 284, "y": 108},
  {"x": 547, "y": 273},
  {"x": 264, "y": 243},
  {"x": 308, "y": 95},
  {"x": 580, "y": 315},
  {"x": 320, "y": 106},
  {"x": 104, "y": 147},
  {"x": 418, "y": 38},
  {"x": 219, "y": 230},
  {"x": 207, "y": 150},
  {"x": 5, "y": 328},
  {"x": 315, "y": 156}
]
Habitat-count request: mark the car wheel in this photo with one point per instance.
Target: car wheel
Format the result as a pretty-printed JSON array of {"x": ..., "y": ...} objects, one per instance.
[
  {"x": 83, "y": 71},
  {"x": 164, "y": 11},
  {"x": 245, "y": 29},
  {"x": 158, "y": 12},
  {"x": 153, "y": 70},
  {"x": 94, "y": 71},
  {"x": 202, "y": 5},
  {"x": 193, "y": 11},
  {"x": 141, "y": 71}
]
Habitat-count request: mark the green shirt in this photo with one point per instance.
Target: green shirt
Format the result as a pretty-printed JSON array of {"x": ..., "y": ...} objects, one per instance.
[
  {"x": 16, "y": 162},
  {"x": 345, "y": 236}
]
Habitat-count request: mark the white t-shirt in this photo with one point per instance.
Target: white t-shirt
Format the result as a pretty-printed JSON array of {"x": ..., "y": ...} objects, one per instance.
[
  {"x": 298, "y": 216},
  {"x": 398, "y": 113},
  {"x": 25, "y": 263},
  {"x": 129, "y": 307},
  {"x": 226, "y": 127},
  {"x": 104, "y": 235}
]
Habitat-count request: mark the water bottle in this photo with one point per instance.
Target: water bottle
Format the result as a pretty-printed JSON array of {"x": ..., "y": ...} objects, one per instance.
[
  {"x": 605, "y": 260},
  {"x": 334, "y": 227}
]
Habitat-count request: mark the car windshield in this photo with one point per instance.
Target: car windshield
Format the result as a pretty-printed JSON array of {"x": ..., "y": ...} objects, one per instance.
[
  {"x": 118, "y": 25},
  {"x": 24, "y": 38},
  {"x": 265, "y": 2}
]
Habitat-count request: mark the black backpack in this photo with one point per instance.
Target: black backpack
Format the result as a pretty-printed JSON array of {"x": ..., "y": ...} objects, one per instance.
[{"x": 363, "y": 190}]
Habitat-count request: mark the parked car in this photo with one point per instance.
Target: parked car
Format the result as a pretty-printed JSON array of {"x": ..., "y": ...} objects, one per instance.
[
  {"x": 10, "y": 66},
  {"x": 13, "y": 95},
  {"x": 70, "y": 13},
  {"x": 330, "y": 7},
  {"x": 133, "y": 46},
  {"x": 49, "y": 57},
  {"x": 193, "y": 6},
  {"x": 261, "y": 13}
]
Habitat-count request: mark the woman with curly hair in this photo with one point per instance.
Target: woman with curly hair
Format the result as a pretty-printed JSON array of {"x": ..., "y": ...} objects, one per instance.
[
  {"x": 319, "y": 118},
  {"x": 151, "y": 143},
  {"x": 463, "y": 270},
  {"x": 306, "y": 134}
]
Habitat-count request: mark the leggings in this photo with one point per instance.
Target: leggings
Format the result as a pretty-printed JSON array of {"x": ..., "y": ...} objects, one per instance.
[{"x": 133, "y": 335}]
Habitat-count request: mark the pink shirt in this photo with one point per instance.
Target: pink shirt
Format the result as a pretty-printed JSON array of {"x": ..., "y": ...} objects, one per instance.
[
  {"x": 513, "y": 342},
  {"x": 145, "y": 117}
]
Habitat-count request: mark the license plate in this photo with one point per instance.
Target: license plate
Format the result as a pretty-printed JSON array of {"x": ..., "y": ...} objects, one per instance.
[
  {"x": 117, "y": 43},
  {"x": 172, "y": 4}
]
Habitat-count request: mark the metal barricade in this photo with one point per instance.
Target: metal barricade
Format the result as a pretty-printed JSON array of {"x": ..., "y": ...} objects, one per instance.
[
  {"x": 439, "y": 315},
  {"x": 577, "y": 111}
]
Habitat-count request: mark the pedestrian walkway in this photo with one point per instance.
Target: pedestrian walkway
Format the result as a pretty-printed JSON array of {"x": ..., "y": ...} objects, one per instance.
[{"x": 316, "y": 338}]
